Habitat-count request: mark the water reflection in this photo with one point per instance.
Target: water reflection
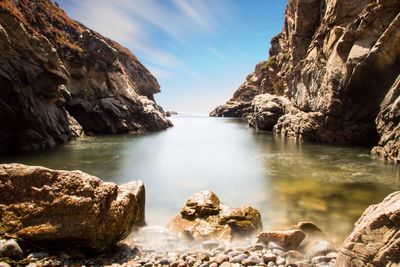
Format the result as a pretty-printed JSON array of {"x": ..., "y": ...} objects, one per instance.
[{"x": 287, "y": 181}]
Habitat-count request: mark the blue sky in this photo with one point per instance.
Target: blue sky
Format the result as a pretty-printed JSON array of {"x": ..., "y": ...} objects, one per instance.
[{"x": 199, "y": 50}]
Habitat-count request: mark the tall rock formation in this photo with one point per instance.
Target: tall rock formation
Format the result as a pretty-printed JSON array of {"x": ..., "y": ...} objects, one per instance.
[
  {"x": 58, "y": 77},
  {"x": 338, "y": 63}
]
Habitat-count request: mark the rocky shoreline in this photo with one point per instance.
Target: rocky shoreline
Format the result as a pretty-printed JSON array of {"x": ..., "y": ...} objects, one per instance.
[
  {"x": 63, "y": 218},
  {"x": 336, "y": 63}
]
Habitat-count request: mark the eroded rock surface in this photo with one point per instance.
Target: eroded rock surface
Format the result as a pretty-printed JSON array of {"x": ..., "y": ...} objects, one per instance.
[
  {"x": 375, "y": 240},
  {"x": 67, "y": 208},
  {"x": 338, "y": 63},
  {"x": 205, "y": 217},
  {"x": 58, "y": 77}
]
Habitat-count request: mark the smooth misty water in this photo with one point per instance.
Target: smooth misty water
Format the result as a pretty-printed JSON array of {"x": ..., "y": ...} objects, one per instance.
[{"x": 287, "y": 182}]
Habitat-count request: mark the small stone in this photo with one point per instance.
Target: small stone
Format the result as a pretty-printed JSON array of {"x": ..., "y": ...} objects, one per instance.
[
  {"x": 321, "y": 248},
  {"x": 210, "y": 244},
  {"x": 273, "y": 245},
  {"x": 259, "y": 246},
  {"x": 10, "y": 249},
  {"x": 40, "y": 255},
  {"x": 239, "y": 258},
  {"x": 225, "y": 264},
  {"x": 269, "y": 257},
  {"x": 164, "y": 262},
  {"x": 277, "y": 252},
  {"x": 320, "y": 259},
  {"x": 310, "y": 228},
  {"x": 271, "y": 264},
  {"x": 252, "y": 260},
  {"x": 280, "y": 260},
  {"x": 219, "y": 258},
  {"x": 285, "y": 239},
  {"x": 332, "y": 255},
  {"x": 214, "y": 264},
  {"x": 4, "y": 264}
]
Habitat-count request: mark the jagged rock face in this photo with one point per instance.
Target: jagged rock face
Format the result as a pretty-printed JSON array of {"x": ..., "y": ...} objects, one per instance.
[
  {"x": 63, "y": 208},
  {"x": 56, "y": 72},
  {"x": 339, "y": 59},
  {"x": 32, "y": 95},
  {"x": 375, "y": 240},
  {"x": 388, "y": 125}
]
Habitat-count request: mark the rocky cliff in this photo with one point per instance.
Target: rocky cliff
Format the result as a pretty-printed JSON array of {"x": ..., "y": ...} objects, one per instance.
[
  {"x": 59, "y": 78},
  {"x": 337, "y": 63}
]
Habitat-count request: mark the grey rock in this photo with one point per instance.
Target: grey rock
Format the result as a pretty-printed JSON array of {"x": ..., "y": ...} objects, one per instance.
[
  {"x": 38, "y": 255},
  {"x": 269, "y": 257},
  {"x": 10, "y": 249}
]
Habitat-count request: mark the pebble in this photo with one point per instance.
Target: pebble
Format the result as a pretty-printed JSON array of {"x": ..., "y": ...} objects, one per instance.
[
  {"x": 252, "y": 260},
  {"x": 219, "y": 258},
  {"x": 321, "y": 248},
  {"x": 259, "y": 246},
  {"x": 239, "y": 258},
  {"x": 269, "y": 257},
  {"x": 4, "y": 264},
  {"x": 320, "y": 259},
  {"x": 38, "y": 255},
  {"x": 280, "y": 260},
  {"x": 278, "y": 252},
  {"x": 225, "y": 264}
]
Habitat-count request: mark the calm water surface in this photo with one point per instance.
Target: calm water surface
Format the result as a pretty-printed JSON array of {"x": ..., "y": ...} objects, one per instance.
[{"x": 287, "y": 182}]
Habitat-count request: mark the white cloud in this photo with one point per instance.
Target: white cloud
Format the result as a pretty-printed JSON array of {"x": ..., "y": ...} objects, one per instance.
[{"x": 137, "y": 25}]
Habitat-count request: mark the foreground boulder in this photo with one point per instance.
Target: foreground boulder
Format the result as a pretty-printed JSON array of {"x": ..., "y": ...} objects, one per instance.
[
  {"x": 65, "y": 208},
  {"x": 205, "y": 217},
  {"x": 375, "y": 240}
]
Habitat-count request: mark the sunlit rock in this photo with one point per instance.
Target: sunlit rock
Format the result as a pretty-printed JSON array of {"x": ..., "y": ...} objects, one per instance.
[
  {"x": 205, "y": 217},
  {"x": 61, "y": 208},
  {"x": 375, "y": 240}
]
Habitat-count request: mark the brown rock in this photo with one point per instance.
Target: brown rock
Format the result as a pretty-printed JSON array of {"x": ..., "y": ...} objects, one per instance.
[
  {"x": 57, "y": 77},
  {"x": 337, "y": 62},
  {"x": 375, "y": 240},
  {"x": 286, "y": 239},
  {"x": 61, "y": 208},
  {"x": 200, "y": 205},
  {"x": 204, "y": 217}
]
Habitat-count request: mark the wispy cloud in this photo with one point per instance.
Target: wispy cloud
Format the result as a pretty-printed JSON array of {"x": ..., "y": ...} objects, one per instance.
[{"x": 132, "y": 22}]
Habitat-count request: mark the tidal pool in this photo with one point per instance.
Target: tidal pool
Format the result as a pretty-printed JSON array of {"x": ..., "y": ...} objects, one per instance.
[{"x": 287, "y": 181}]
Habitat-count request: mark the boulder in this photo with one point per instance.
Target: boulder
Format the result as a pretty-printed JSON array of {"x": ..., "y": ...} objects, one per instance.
[
  {"x": 286, "y": 239},
  {"x": 67, "y": 208},
  {"x": 204, "y": 217},
  {"x": 267, "y": 109},
  {"x": 375, "y": 240}
]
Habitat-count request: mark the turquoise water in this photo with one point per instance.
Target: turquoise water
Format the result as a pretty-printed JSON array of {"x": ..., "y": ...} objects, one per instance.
[{"x": 287, "y": 182}]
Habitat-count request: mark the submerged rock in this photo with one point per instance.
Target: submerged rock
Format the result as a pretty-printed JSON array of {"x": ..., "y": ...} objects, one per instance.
[
  {"x": 67, "y": 208},
  {"x": 205, "y": 217},
  {"x": 375, "y": 240}
]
